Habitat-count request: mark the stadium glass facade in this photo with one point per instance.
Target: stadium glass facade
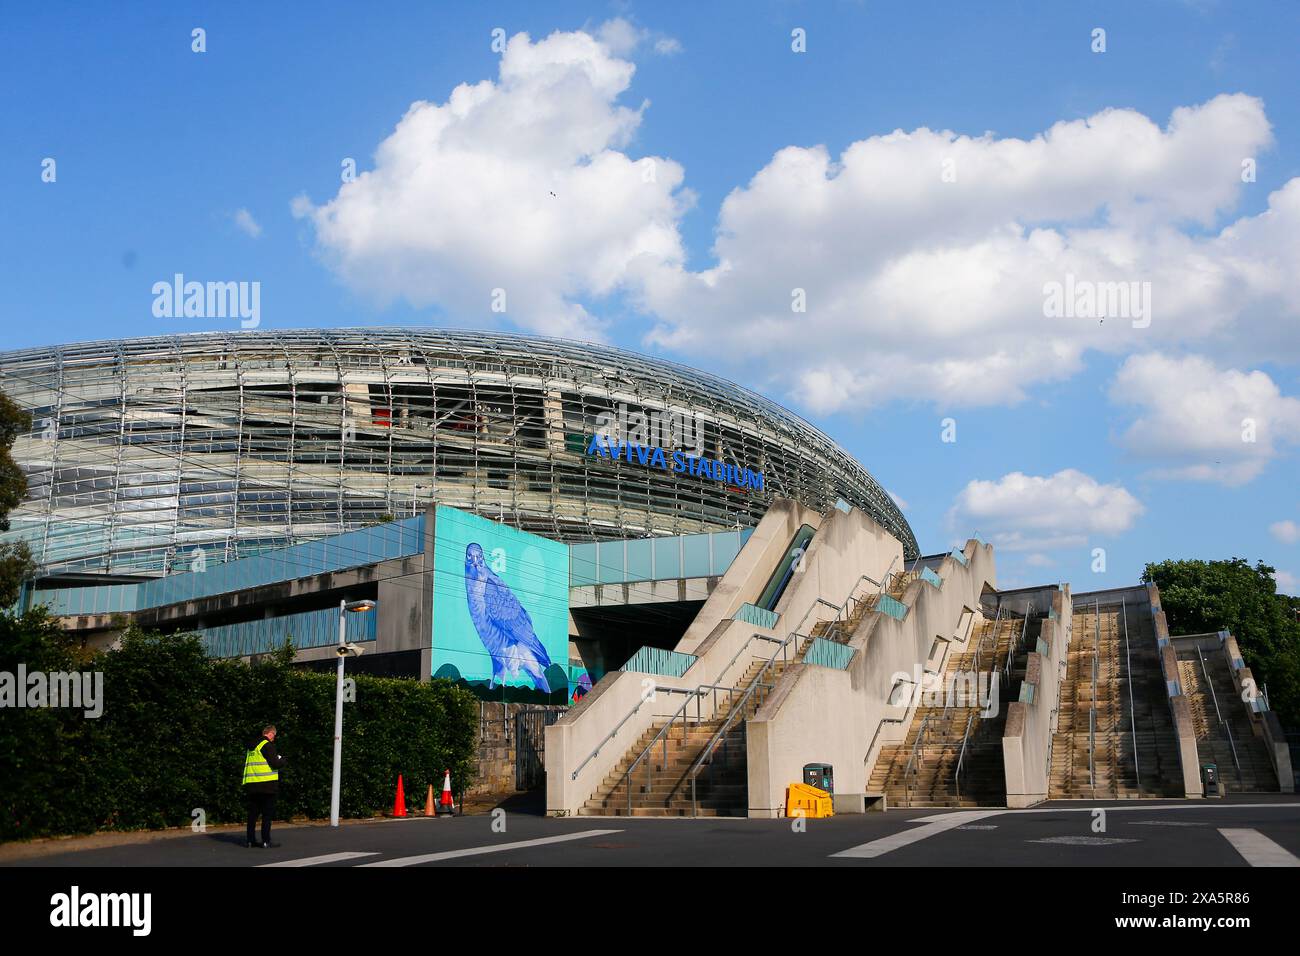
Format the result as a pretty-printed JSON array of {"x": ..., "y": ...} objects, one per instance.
[{"x": 145, "y": 454}]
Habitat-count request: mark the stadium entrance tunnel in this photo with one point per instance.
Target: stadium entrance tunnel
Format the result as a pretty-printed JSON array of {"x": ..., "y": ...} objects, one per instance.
[{"x": 607, "y": 636}]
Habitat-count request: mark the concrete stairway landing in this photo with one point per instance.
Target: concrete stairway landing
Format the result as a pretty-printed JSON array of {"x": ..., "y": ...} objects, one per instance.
[
  {"x": 959, "y": 734},
  {"x": 1224, "y": 735},
  {"x": 1114, "y": 737}
]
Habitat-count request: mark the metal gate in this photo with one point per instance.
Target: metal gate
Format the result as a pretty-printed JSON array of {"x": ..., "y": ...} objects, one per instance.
[{"x": 530, "y": 746}]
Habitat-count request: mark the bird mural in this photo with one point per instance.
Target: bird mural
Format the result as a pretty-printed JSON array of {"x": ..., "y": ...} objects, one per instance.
[{"x": 503, "y": 624}]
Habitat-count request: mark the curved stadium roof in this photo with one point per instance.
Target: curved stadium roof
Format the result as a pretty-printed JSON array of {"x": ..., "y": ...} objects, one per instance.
[{"x": 255, "y": 439}]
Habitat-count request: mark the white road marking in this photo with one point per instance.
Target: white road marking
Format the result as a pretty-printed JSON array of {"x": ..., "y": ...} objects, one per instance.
[
  {"x": 492, "y": 848},
  {"x": 1170, "y": 823},
  {"x": 1258, "y": 850},
  {"x": 930, "y": 826},
  {"x": 318, "y": 860},
  {"x": 943, "y": 822},
  {"x": 1085, "y": 806}
]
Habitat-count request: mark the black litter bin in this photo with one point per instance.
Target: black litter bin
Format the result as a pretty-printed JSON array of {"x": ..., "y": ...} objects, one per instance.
[
  {"x": 819, "y": 775},
  {"x": 1210, "y": 779}
]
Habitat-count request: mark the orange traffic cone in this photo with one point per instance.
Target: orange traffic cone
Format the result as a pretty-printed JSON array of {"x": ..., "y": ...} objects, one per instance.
[
  {"x": 428, "y": 802},
  {"x": 446, "y": 805},
  {"x": 399, "y": 803}
]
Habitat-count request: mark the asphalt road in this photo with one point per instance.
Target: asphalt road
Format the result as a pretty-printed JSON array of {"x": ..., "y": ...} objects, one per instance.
[{"x": 1231, "y": 833}]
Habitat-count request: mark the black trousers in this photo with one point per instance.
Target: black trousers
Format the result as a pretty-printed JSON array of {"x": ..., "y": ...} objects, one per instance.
[{"x": 263, "y": 805}]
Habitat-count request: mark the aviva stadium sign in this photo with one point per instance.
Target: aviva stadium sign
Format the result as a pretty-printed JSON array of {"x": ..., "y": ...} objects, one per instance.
[
  {"x": 678, "y": 462},
  {"x": 669, "y": 440}
]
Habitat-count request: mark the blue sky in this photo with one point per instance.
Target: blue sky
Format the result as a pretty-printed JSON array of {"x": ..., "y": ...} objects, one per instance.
[{"x": 159, "y": 148}]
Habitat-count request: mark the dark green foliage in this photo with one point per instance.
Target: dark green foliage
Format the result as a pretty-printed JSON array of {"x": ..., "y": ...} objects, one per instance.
[
  {"x": 16, "y": 563},
  {"x": 13, "y": 483},
  {"x": 176, "y": 724},
  {"x": 1200, "y": 596},
  {"x": 16, "y": 566}
]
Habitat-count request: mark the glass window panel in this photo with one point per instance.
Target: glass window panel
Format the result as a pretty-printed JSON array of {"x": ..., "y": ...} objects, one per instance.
[
  {"x": 668, "y": 558},
  {"x": 695, "y": 556}
]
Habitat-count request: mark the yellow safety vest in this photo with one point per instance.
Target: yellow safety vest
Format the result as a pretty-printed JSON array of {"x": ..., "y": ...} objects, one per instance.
[{"x": 256, "y": 769}]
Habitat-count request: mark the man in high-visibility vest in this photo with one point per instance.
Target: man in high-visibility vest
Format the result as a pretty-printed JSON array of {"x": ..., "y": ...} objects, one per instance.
[{"x": 261, "y": 783}]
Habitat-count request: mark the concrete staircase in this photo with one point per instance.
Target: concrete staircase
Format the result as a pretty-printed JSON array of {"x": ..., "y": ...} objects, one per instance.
[
  {"x": 720, "y": 784},
  {"x": 1224, "y": 735},
  {"x": 720, "y": 791},
  {"x": 1134, "y": 751},
  {"x": 956, "y": 734}
]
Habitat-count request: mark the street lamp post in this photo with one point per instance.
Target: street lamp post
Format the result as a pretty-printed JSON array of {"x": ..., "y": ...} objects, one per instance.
[{"x": 344, "y": 651}]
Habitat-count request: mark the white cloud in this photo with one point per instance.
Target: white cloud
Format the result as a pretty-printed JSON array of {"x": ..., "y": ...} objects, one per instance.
[
  {"x": 1287, "y": 583},
  {"x": 898, "y": 500},
  {"x": 1196, "y": 418},
  {"x": 1288, "y": 532},
  {"x": 915, "y": 287},
  {"x": 1039, "y": 560},
  {"x": 1022, "y": 512},
  {"x": 247, "y": 224},
  {"x": 518, "y": 185},
  {"x": 622, "y": 37},
  {"x": 918, "y": 287}
]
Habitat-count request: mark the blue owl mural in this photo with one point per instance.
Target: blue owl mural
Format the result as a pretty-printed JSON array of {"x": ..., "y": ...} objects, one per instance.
[{"x": 500, "y": 609}]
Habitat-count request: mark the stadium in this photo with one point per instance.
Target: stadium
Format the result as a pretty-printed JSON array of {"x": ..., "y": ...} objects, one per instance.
[
  {"x": 559, "y": 526},
  {"x": 145, "y": 451}
]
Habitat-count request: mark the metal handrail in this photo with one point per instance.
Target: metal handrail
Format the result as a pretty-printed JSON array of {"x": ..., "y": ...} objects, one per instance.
[
  {"x": 979, "y": 645},
  {"x": 692, "y": 772},
  {"x": 1092, "y": 738},
  {"x": 836, "y": 621},
  {"x": 1015, "y": 644},
  {"x": 876, "y": 736},
  {"x": 675, "y": 690},
  {"x": 700, "y": 690},
  {"x": 698, "y": 693},
  {"x": 1218, "y": 713},
  {"x": 1132, "y": 712},
  {"x": 627, "y": 776},
  {"x": 962, "y": 756},
  {"x": 735, "y": 657},
  {"x": 1092, "y": 703},
  {"x": 907, "y": 771},
  {"x": 619, "y": 726},
  {"x": 1051, "y": 739}
]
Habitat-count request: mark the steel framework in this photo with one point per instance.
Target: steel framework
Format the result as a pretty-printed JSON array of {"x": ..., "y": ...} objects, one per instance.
[{"x": 144, "y": 449}]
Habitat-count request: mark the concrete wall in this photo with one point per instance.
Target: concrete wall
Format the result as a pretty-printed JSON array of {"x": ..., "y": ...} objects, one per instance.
[
  {"x": 1184, "y": 731},
  {"x": 617, "y": 711},
  {"x": 1265, "y": 723},
  {"x": 847, "y": 547},
  {"x": 1027, "y": 738},
  {"x": 749, "y": 573},
  {"x": 821, "y": 715}
]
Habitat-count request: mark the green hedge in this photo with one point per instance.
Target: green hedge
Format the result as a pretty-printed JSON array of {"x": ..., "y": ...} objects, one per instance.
[{"x": 175, "y": 724}]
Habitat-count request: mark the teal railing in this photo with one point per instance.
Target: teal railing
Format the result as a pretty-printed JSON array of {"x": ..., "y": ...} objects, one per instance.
[
  {"x": 892, "y": 606},
  {"x": 758, "y": 616},
  {"x": 656, "y": 660},
  {"x": 929, "y": 575},
  {"x": 960, "y": 556},
  {"x": 826, "y": 653}
]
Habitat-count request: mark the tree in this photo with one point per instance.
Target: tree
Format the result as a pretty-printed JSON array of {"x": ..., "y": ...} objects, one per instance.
[
  {"x": 16, "y": 564},
  {"x": 1201, "y": 596}
]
